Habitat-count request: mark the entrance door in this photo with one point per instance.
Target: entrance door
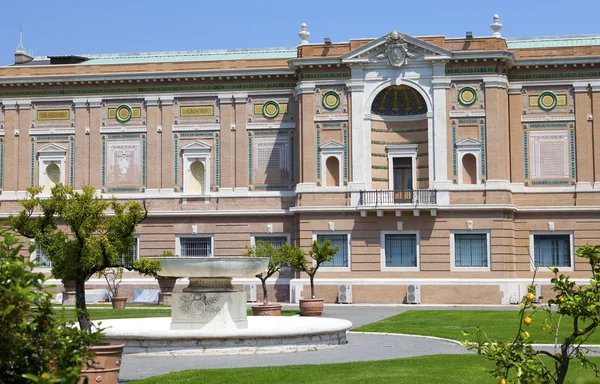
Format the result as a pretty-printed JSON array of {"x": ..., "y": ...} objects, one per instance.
[{"x": 403, "y": 179}]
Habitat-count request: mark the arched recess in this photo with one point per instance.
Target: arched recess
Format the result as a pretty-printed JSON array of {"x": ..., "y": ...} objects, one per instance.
[
  {"x": 197, "y": 177},
  {"x": 333, "y": 171},
  {"x": 51, "y": 166},
  {"x": 52, "y": 175},
  {"x": 469, "y": 169}
]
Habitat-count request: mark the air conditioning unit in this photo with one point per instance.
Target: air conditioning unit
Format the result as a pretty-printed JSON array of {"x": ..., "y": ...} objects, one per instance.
[
  {"x": 250, "y": 290},
  {"x": 413, "y": 294},
  {"x": 345, "y": 294}
]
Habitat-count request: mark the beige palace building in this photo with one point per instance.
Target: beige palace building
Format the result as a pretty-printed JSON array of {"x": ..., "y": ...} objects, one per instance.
[{"x": 448, "y": 166}]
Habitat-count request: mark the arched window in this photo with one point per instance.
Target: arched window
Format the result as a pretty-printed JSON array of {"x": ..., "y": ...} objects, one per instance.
[
  {"x": 399, "y": 100},
  {"x": 333, "y": 171},
  {"x": 197, "y": 179},
  {"x": 469, "y": 171}
]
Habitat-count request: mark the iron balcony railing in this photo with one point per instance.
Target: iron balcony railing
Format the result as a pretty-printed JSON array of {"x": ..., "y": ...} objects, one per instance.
[{"x": 408, "y": 196}]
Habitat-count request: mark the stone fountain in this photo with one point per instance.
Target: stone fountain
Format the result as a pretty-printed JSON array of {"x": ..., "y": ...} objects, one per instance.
[{"x": 209, "y": 316}]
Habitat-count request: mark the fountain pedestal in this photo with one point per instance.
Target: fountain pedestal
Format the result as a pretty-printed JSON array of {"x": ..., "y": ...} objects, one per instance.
[{"x": 209, "y": 303}]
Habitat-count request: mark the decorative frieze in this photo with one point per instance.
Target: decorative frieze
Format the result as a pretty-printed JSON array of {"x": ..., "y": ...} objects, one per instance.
[
  {"x": 465, "y": 71},
  {"x": 270, "y": 125},
  {"x": 128, "y": 129},
  {"x": 327, "y": 75},
  {"x": 533, "y": 119},
  {"x": 331, "y": 117},
  {"x": 53, "y": 131},
  {"x": 197, "y": 127},
  {"x": 458, "y": 114},
  {"x": 547, "y": 76}
]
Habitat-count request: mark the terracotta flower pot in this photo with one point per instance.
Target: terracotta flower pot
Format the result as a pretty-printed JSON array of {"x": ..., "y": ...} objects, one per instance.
[
  {"x": 311, "y": 307},
  {"x": 266, "y": 310},
  {"x": 69, "y": 293},
  {"x": 118, "y": 302},
  {"x": 167, "y": 285},
  {"x": 106, "y": 365}
]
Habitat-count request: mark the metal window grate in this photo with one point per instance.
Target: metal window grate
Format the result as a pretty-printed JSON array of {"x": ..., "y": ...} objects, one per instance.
[
  {"x": 400, "y": 250},
  {"x": 340, "y": 259},
  {"x": 470, "y": 250},
  {"x": 128, "y": 259},
  {"x": 195, "y": 246},
  {"x": 41, "y": 258},
  {"x": 552, "y": 250},
  {"x": 276, "y": 241}
]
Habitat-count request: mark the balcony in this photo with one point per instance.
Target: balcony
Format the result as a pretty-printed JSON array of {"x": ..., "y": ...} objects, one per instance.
[{"x": 413, "y": 197}]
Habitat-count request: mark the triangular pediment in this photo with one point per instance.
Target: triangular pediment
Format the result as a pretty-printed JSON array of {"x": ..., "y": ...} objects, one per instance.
[
  {"x": 52, "y": 148},
  {"x": 196, "y": 145},
  {"x": 468, "y": 142},
  {"x": 331, "y": 145},
  {"x": 378, "y": 49}
]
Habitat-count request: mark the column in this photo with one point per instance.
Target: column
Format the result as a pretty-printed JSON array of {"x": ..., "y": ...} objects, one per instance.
[
  {"x": 153, "y": 139},
  {"x": 361, "y": 145},
  {"x": 94, "y": 143},
  {"x": 517, "y": 151},
  {"x": 497, "y": 133},
  {"x": 228, "y": 144},
  {"x": 26, "y": 163},
  {"x": 82, "y": 162},
  {"x": 11, "y": 150},
  {"x": 167, "y": 168},
  {"x": 240, "y": 109},
  {"x": 438, "y": 124},
  {"x": 583, "y": 137},
  {"x": 308, "y": 137}
]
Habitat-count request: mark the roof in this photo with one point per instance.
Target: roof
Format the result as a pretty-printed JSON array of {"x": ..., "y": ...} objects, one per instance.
[
  {"x": 181, "y": 56},
  {"x": 554, "y": 41}
]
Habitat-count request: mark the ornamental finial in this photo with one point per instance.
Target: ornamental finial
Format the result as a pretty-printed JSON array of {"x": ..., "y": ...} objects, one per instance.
[
  {"x": 496, "y": 26},
  {"x": 303, "y": 34}
]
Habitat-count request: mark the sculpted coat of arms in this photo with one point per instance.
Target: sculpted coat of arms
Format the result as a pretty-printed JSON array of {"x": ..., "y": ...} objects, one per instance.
[
  {"x": 396, "y": 50},
  {"x": 199, "y": 306}
]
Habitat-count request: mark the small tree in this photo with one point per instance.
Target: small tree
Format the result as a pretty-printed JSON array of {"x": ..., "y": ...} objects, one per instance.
[
  {"x": 277, "y": 260},
  {"x": 320, "y": 253},
  {"x": 82, "y": 234},
  {"x": 114, "y": 278},
  {"x": 35, "y": 346},
  {"x": 518, "y": 361}
]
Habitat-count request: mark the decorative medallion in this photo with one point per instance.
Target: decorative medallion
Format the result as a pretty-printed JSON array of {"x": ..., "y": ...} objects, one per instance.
[
  {"x": 547, "y": 100},
  {"x": 467, "y": 96},
  {"x": 270, "y": 109},
  {"x": 331, "y": 100},
  {"x": 124, "y": 113},
  {"x": 396, "y": 50},
  {"x": 199, "y": 306}
]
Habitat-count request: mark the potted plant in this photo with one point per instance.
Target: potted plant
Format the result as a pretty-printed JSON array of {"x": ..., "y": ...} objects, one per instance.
[
  {"x": 166, "y": 283},
  {"x": 114, "y": 277},
  {"x": 277, "y": 260},
  {"x": 320, "y": 253},
  {"x": 81, "y": 238}
]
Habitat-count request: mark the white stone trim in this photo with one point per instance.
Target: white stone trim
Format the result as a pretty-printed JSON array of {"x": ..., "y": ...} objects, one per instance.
[
  {"x": 199, "y": 127},
  {"x": 270, "y": 125},
  {"x": 349, "y": 240},
  {"x": 472, "y": 147},
  {"x": 320, "y": 118},
  {"x": 453, "y": 267},
  {"x": 385, "y": 268},
  {"x": 128, "y": 129},
  {"x": 191, "y": 152},
  {"x": 51, "y": 154},
  {"x": 408, "y": 150},
  {"x": 52, "y": 131},
  {"x": 458, "y": 114},
  {"x": 192, "y": 235},
  {"x": 332, "y": 149},
  {"x": 535, "y": 161},
  {"x": 396, "y": 118},
  {"x": 532, "y": 234},
  {"x": 534, "y": 119}
]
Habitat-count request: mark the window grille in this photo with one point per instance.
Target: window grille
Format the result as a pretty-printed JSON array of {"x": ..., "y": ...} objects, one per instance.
[
  {"x": 271, "y": 154},
  {"x": 41, "y": 258},
  {"x": 340, "y": 259},
  {"x": 276, "y": 241},
  {"x": 128, "y": 258},
  {"x": 195, "y": 246},
  {"x": 401, "y": 250},
  {"x": 470, "y": 250},
  {"x": 549, "y": 154},
  {"x": 552, "y": 250}
]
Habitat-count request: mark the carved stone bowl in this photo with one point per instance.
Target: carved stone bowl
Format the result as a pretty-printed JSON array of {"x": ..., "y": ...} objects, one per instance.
[{"x": 211, "y": 267}]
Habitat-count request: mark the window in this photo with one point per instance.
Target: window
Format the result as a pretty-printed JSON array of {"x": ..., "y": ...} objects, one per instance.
[
  {"x": 401, "y": 167},
  {"x": 470, "y": 251},
  {"x": 134, "y": 254},
  {"x": 400, "y": 250},
  {"x": 272, "y": 154},
  {"x": 552, "y": 250},
  {"x": 342, "y": 258},
  {"x": 195, "y": 246},
  {"x": 276, "y": 241},
  {"x": 549, "y": 154},
  {"x": 40, "y": 258}
]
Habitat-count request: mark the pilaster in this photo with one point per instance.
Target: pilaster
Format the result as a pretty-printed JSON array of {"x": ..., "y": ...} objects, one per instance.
[
  {"x": 167, "y": 168},
  {"x": 517, "y": 152},
  {"x": 94, "y": 140},
  {"x": 308, "y": 139},
  {"x": 153, "y": 139},
  {"x": 82, "y": 149},
  {"x": 583, "y": 136},
  {"x": 228, "y": 143},
  {"x": 437, "y": 123},
  {"x": 240, "y": 109},
  {"x": 497, "y": 129},
  {"x": 361, "y": 146},
  {"x": 596, "y": 135},
  {"x": 11, "y": 138},
  {"x": 26, "y": 158}
]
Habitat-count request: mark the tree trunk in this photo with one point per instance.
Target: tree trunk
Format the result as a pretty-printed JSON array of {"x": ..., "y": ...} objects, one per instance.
[
  {"x": 264, "y": 287},
  {"x": 83, "y": 316},
  {"x": 312, "y": 286},
  {"x": 561, "y": 374}
]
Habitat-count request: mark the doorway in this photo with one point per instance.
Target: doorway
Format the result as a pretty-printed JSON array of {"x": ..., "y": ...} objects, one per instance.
[{"x": 403, "y": 178}]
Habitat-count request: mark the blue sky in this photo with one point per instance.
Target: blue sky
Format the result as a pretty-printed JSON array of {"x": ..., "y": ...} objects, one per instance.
[{"x": 107, "y": 26}]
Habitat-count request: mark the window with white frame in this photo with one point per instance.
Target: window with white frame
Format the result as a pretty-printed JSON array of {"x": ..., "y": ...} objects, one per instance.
[
  {"x": 195, "y": 246},
  {"x": 552, "y": 250},
  {"x": 549, "y": 154},
  {"x": 470, "y": 250},
  {"x": 342, "y": 257},
  {"x": 40, "y": 258},
  {"x": 400, "y": 249},
  {"x": 402, "y": 166},
  {"x": 276, "y": 241},
  {"x": 128, "y": 258}
]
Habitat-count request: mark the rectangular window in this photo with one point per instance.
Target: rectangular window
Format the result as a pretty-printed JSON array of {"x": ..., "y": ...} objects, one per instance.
[
  {"x": 41, "y": 258},
  {"x": 340, "y": 259},
  {"x": 552, "y": 250},
  {"x": 272, "y": 154},
  {"x": 129, "y": 258},
  {"x": 550, "y": 154},
  {"x": 400, "y": 250},
  {"x": 276, "y": 241},
  {"x": 195, "y": 246},
  {"x": 470, "y": 250}
]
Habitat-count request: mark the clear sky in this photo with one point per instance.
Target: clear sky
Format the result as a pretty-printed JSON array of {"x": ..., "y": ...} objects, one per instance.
[{"x": 63, "y": 27}]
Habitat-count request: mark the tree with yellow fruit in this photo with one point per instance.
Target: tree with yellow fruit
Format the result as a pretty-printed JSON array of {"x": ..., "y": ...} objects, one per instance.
[{"x": 518, "y": 362}]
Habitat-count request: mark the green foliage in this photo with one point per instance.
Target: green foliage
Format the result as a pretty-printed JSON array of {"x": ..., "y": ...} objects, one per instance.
[
  {"x": 277, "y": 260},
  {"x": 518, "y": 361},
  {"x": 82, "y": 234},
  {"x": 320, "y": 253},
  {"x": 35, "y": 346}
]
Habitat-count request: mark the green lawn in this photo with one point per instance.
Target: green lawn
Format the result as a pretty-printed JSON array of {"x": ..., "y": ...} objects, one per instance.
[
  {"x": 500, "y": 325},
  {"x": 106, "y": 313},
  {"x": 455, "y": 369}
]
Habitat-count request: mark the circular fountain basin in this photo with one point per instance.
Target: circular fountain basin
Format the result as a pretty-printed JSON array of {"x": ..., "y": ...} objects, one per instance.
[
  {"x": 212, "y": 266},
  {"x": 152, "y": 336}
]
